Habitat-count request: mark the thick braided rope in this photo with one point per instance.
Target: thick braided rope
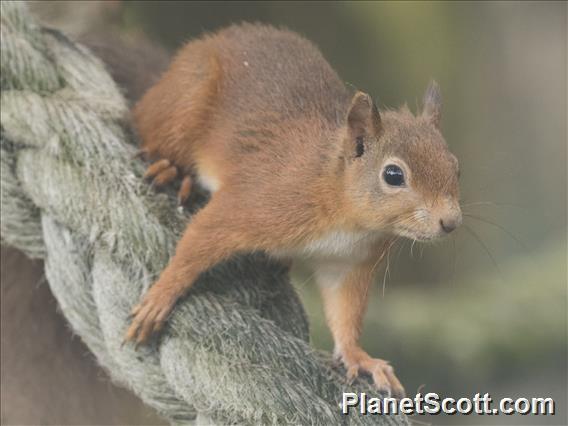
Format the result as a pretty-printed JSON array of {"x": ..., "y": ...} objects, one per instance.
[{"x": 236, "y": 350}]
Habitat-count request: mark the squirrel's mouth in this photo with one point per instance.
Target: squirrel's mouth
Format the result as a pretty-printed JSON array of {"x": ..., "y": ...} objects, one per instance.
[{"x": 415, "y": 235}]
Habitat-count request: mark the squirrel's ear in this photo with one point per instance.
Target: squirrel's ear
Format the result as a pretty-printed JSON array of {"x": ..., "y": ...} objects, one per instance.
[
  {"x": 363, "y": 118},
  {"x": 432, "y": 104}
]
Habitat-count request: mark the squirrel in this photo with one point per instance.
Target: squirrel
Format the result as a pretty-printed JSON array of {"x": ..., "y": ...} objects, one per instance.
[{"x": 299, "y": 166}]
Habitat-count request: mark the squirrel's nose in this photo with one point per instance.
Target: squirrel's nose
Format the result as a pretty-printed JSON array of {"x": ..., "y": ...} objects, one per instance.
[{"x": 449, "y": 224}]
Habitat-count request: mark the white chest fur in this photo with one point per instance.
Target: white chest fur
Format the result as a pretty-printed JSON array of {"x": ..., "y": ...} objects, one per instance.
[
  {"x": 209, "y": 182},
  {"x": 341, "y": 244},
  {"x": 332, "y": 256},
  {"x": 344, "y": 246}
]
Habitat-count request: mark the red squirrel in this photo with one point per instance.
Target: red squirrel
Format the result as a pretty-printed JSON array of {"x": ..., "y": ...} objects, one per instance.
[{"x": 298, "y": 166}]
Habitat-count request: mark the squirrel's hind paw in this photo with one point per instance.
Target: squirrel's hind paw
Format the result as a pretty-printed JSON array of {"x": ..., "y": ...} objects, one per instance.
[
  {"x": 156, "y": 168},
  {"x": 166, "y": 176},
  {"x": 163, "y": 172}
]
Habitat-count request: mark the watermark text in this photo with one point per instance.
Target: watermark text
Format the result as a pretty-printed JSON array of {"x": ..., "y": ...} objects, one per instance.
[{"x": 432, "y": 403}]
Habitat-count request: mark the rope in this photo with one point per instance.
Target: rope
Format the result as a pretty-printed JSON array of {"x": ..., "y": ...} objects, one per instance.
[{"x": 236, "y": 350}]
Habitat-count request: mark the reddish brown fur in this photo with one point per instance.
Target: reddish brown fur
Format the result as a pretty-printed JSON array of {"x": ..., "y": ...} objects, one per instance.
[{"x": 259, "y": 112}]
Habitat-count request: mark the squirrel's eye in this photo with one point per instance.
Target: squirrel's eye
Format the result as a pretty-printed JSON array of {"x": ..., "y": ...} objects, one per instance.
[{"x": 393, "y": 175}]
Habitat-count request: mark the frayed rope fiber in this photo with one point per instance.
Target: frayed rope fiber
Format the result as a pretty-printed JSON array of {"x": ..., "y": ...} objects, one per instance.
[{"x": 236, "y": 350}]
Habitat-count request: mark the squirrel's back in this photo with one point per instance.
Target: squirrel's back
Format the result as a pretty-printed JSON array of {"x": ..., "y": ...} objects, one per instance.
[
  {"x": 279, "y": 71},
  {"x": 243, "y": 97}
]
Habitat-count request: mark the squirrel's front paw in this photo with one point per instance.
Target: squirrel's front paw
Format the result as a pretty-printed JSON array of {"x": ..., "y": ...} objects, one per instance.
[
  {"x": 356, "y": 360},
  {"x": 149, "y": 316}
]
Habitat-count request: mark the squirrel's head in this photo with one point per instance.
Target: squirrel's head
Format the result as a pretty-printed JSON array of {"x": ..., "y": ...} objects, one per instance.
[{"x": 399, "y": 175}]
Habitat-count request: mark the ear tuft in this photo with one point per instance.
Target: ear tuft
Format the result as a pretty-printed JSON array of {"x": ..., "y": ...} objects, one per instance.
[
  {"x": 363, "y": 118},
  {"x": 432, "y": 104}
]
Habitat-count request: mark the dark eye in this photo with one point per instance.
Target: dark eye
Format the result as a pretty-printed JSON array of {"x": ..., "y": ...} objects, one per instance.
[{"x": 393, "y": 175}]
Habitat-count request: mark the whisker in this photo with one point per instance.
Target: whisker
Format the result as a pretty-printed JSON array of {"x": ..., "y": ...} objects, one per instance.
[
  {"x": 381, "y": 257},
  {"x": 502, "y": 228},
  {"x": 411, "y": 247},
  {"x": 313, "y": 274},
  {"x": 387, "y": 272},
  {"x": 491, "y": 203},
  {"x": 482, "y": 244},
  {"x": 454, "y": 259},
  {"x": 399, "y": 251}
]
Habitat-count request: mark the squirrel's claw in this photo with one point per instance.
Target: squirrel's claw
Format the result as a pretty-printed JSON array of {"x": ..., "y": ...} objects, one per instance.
[
  {"x": 163, "y": 172},
  {"x": 166, "y": 176},
  {"x": 155, "y": 168},
  {"x": 149, "y": 316},
  {"x": 358, "y": 361},
  {"x": 184, "y": 190}
]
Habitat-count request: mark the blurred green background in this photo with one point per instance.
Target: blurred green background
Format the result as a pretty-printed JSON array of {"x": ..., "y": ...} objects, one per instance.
[{"x": 485, "y": 310}]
